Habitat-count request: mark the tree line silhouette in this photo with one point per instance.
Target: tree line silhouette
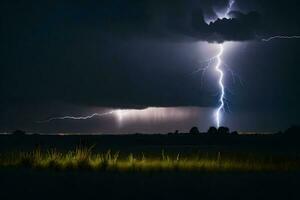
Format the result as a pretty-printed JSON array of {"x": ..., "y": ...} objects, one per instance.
[
  {"x": 293, "y": 131},
  {"x": 211, "y": 131}
]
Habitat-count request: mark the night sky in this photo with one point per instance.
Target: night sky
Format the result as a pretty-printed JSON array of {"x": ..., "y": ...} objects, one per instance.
[{"x": 76, "y": 58}]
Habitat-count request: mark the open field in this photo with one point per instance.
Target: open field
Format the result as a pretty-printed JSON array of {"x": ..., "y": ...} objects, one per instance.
[
  {"x": 149, "y": 167},
  {"x": 84, "y": 158}
]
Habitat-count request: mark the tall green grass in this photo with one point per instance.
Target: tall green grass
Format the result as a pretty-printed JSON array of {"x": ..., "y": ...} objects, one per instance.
[{"x": 84, "y": 158}]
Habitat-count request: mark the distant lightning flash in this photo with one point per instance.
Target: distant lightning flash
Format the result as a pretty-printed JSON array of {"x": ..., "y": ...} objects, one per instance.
[
  {"x": 79, "y": 117},
  {"x": 280, "y": 37}
]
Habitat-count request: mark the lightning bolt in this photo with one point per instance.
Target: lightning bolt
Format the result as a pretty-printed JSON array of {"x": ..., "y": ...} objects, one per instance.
[
  {"x": 219, "y": 67},
  {"x": 219, "y": 70},
  {"x": 79, "y": 117},
  {"x": 280, "y": 37},
  {"x": 229, "y": 8},
  {"x": 219, "y": 64}
]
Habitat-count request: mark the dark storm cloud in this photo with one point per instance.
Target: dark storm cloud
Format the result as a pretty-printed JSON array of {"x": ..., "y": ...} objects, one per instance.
[
  {"x": 183, "y": 20},
  {"x": 190, "y": 25},
  {"x": 240, "y": 28},
  {"x": 277, "y": 17},
  {"x": 177, "y": 20}
]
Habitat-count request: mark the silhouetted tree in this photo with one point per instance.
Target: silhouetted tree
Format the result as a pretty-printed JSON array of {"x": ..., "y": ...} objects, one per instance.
[
  {"x": 234, "y": 133},
  {"x": 194, "y": 131},
  {"x": 223, "y": 130},
  {"x": 212, "y": 130}
]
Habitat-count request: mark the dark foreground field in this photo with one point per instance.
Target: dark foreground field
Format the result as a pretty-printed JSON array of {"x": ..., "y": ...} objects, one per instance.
[
  {"x": 32, "y": 184},
  {"x": 26, "y": 182}
]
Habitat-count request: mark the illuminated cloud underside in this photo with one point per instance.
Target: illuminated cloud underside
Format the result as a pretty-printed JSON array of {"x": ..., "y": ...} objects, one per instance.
[{"x": 127, "y": 116}]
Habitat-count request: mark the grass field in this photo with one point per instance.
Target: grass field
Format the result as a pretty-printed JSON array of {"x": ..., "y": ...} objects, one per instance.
[
  {"x": 149, "y": 167},
  {"x": 85, "y": 158}
]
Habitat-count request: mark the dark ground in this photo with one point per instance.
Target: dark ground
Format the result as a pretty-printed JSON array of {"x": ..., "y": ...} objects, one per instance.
[
  {"x": 30, "y": 184},
  {"x": 51, "y": 184}
]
